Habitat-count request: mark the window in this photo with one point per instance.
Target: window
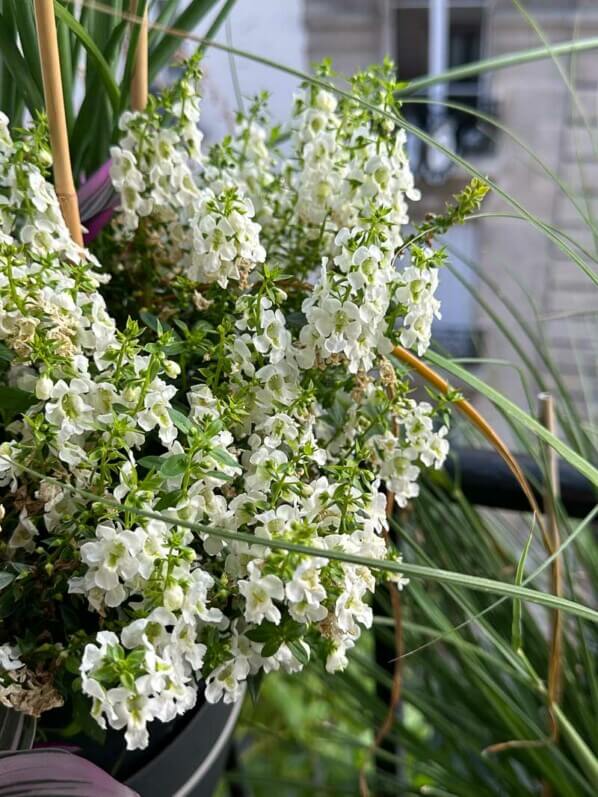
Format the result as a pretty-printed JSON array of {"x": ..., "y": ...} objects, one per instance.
[{"x": 410, "y": 21}]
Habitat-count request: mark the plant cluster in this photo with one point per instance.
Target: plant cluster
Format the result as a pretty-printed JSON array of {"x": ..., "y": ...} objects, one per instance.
[{"x": 231, "y": 376}]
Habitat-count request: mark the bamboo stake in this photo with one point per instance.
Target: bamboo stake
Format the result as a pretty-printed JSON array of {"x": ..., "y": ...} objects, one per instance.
[
  {"x": 139, "y": 82},
  {"x": 54, "y": 100}
]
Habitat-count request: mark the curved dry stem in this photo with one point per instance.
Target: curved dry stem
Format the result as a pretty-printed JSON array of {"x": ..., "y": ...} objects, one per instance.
[{"x": 481, "y": 424}]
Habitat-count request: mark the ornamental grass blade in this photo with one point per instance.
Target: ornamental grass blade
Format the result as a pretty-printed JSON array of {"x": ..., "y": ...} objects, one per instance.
[
  {"x": 517, "y": 415},
  {"x": 56, "y": 773},
  {"x": 94, "y": 53},
  {"x": 187, "y": 20},
  {"x": 475, "y": 583},
  {"x": 19, "y": 70}
]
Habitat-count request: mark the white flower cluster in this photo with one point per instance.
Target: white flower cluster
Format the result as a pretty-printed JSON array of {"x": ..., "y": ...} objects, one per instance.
[
  {"x": 28, "y": 205},
  {"x": 227, "y": 425},
  {"x": 156, "y": 171},
  {"x": 357, "y": 183},
  {"x": 344, "y": 166},
  {"x": 416, "y": 286},
  {"x": 246, "y": 160},
  {"x": 346, "y": 313},
  {"x": 399, "y": 459},
  {"x": 225, "y": 239}
]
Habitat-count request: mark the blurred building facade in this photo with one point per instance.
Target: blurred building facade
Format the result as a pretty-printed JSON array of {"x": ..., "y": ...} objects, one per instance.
[
  {"x": 550, "y": 292},
  {"x": 498, "y": 258}
]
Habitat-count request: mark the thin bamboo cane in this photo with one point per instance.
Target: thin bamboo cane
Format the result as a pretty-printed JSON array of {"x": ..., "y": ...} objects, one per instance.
[
  {"x": 54, "y": 100},
  {"x": 139, "y": 82}
]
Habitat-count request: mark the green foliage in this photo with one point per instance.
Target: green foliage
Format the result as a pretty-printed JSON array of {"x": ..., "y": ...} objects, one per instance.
[
  {"x": 466, "y": 203},
  {"x": 91, "y": 42}
]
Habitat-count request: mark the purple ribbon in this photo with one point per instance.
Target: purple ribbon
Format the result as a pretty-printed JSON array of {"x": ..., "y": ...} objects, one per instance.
[{"x": 97, "y": 202}]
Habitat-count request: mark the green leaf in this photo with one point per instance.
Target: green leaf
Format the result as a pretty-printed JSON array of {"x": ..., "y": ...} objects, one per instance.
[
  {"x": 174, "y": 466},
  {"x": 93, "y": 52},
  {"x": 189, "y": 19},
  {"x": 87, "y": 149},
  {"x": 151, "y": 462},
  {"x": 14, "y": 401},
  {"x": 182, "y": 423},
  {"x": 516, "y": 414},
  {"x": 224, "y": 457},
  {"x": 263, "y": 633},
  {"x": 517, "y": 627},
  {"x": 216, "y": 474},
  {"x": 18, "y": 68},
  {"x": 271, "y": 647},
  {"x": 6, "y": 579},
  {"x": 168, "y": 500},
  {"x": 298, "y": 651},
  {"x": 499, "y": 62},
  {"x": 25, "y": 22},
  {"x": 406, "y": 568},
  {"x": 217, "y": 23}
]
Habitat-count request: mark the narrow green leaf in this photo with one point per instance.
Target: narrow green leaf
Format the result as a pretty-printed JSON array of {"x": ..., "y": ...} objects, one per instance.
[
  {"x": 217, "y": 23},
  {"x": 500, "y": 62},
  {"x": 298, "y": 651},
  {"x": 406, "y": 568},
  {"x": 151, "y": 462},
  {"x": 167, "y": 11},
  {"x": 188, "y": 21},
  {"x": 18, "y": 69},
  {"x": 86, "y": 148},
  {"x": 224, "y": 457},
  {"x": 516, "y": 414},
  {"x": 173, "y": 466},
  {"x": 25, "y": 22},
  {"x": 182, "y": 423},
  {"x": 93, "y": 52},
  {"x": 216, "y": 474},
  {"x": 6, "y": 579},
  {"x": 517, "y": 628},
  {"x": 586, "y": 758}
]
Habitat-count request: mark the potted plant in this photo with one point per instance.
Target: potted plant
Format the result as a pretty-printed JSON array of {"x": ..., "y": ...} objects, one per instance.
[{"x": 203, "y": 419}]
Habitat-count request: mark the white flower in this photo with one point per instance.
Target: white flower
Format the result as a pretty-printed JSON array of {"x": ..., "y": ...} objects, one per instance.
[
  {"x": 9, "y": 659},
  {"x": 112, "y": 560},
  {"x": 226, "y": 681},
  {"x": 157, "y": 405},
  {"x": 260, "y": 592}
]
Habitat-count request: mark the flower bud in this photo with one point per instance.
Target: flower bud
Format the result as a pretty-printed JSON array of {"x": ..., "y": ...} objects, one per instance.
[
  {"x": 43, "y": 388},
  {"x": 172, "y": 369},
  {"x": 173, "y": 597}
]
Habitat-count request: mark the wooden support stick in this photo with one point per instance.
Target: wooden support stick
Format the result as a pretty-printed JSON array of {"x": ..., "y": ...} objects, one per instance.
[
  {"x": 139, "y": 82},
  {"x": 54, "y": 99}
]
